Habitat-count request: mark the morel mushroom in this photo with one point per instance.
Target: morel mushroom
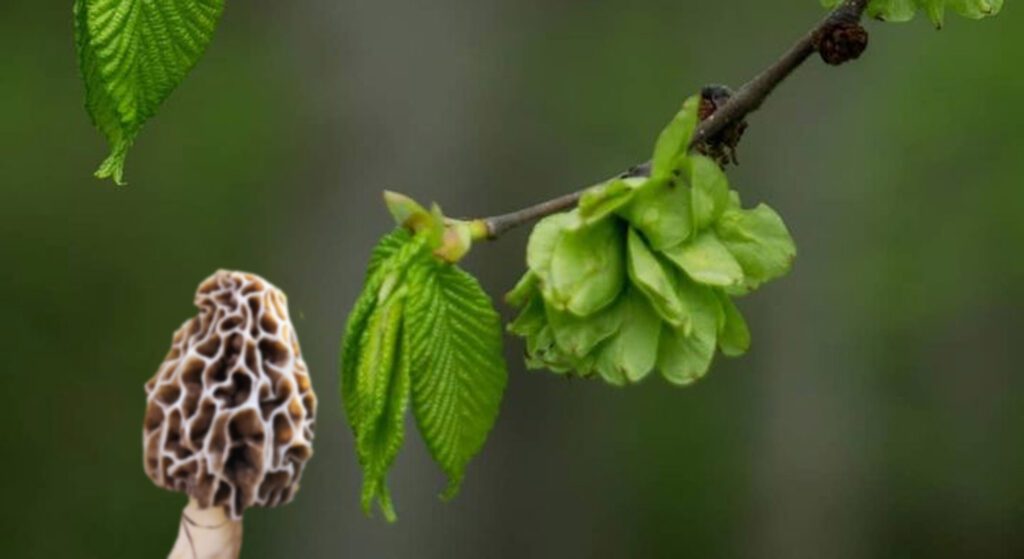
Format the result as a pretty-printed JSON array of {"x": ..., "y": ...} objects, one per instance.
[{"x": 230, "y": 413}]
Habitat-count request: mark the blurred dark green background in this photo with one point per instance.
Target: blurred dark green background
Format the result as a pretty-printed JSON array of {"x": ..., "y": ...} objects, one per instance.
[{"x": 880, "y": 413}]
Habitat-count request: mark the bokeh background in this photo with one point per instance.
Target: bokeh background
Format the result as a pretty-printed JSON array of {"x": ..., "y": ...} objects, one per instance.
[{"x": 879, "y": 414}]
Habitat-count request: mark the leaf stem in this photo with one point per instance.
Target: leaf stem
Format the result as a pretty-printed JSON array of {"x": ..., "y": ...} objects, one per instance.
[{"x": 747, "y": 99}]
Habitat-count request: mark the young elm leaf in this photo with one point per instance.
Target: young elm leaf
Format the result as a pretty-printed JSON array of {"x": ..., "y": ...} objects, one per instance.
[
  {"x": 375, "y": 368},
  {"x": 382, "y": 389},
  {"x": 386, "y": 248},
  {"x": 132, "y": 54},
  {"x": 454, "y": 338},
  {"x": 656, "y": 282},
  {"x": 706, "y": 260},
  {"x": 355, "y": 330},
  {"x": 389, "y": 260},
  {"x": 101, "y": 106},
  {"x": 760, "y": 242}
]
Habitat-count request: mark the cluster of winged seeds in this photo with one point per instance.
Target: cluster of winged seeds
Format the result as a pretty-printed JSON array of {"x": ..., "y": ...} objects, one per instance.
[{"x": 642, "y": 274}]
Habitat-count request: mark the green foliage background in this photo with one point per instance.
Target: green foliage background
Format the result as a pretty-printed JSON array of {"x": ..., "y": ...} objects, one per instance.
[{"x": 878, "y": 414}]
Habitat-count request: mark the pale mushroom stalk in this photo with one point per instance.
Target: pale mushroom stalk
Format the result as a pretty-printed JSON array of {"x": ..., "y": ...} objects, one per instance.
[
  {"x": 207, "y": 534},
  {"x": 230, "y": 413}
]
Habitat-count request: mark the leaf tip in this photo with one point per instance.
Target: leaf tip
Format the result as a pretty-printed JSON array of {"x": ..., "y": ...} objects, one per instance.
[
  {"x": 113, "y": 166},
  {"x": 450, "y": 492}
]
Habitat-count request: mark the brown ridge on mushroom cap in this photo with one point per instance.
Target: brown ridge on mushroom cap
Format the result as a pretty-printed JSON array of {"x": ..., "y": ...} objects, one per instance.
[{"x": 230, "y": 413}]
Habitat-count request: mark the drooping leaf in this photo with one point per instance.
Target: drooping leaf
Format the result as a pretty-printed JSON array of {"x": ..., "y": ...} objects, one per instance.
[
  {"x": 454, "y": 337},
  {"x": 382, "y": 389},
  {"x": 904, "y": 10},
  {"x": 632, "y": 352},
  {"x": 375, "y": 369},
  {"x": 390, "y": 259},
  {"x": 760, "y": 242},
  {"x": 706, "y": 260},
  {"x": 355, "y": 331},
  {"x": 133, "y": 54},
  {"x": 99, "y": 103},
  {"x": 587, "y": 268},
  {"x": 386, "y": 248},
  {"x": 656, "y": 282},
  {"x": 684, "y": 357}
]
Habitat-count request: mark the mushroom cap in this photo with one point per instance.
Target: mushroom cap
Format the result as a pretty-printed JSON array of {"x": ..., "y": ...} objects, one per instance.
[{"x": 230, "y": 413}]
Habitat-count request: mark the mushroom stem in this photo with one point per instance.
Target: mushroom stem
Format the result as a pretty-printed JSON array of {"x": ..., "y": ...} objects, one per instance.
[{"x": 207, "y": 534}]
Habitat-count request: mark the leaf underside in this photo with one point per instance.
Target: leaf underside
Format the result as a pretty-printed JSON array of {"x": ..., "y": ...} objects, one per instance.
[{"x": 458, "y": 370}]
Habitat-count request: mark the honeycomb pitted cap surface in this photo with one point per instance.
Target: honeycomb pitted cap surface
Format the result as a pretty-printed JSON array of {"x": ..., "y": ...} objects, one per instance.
[{"x": 230, "y": 413}]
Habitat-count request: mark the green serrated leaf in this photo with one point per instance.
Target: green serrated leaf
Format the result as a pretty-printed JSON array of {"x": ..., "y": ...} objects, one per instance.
[
  {"x": 381, "y": 396},
  {"x": 132, "y": 55},
  {"x": 674, "y": 141},
  {"x": 629, "y": 355},
  {"x": 706, "y": 260},
  {"x": 657, "y": 282},
  {"x": 355, "y": 329},
  {"x": 387, "y": 247},
  {"x": 734, "y": 334},
  {"x": 375, "y": 369},
  {"x": 760, "y": 242},
  {"x": 587, "y": 268},
  {"x": 388, "y": 261},
  {"x": 455, "y": 339},
  {"x": 684, "y": 357}
]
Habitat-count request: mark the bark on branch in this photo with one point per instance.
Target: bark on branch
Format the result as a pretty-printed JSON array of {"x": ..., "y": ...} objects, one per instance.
[{"x": 747, "y": 99}]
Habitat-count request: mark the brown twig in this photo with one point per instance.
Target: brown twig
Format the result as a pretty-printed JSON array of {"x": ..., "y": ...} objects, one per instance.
[{"x": 747, "y": 99}]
